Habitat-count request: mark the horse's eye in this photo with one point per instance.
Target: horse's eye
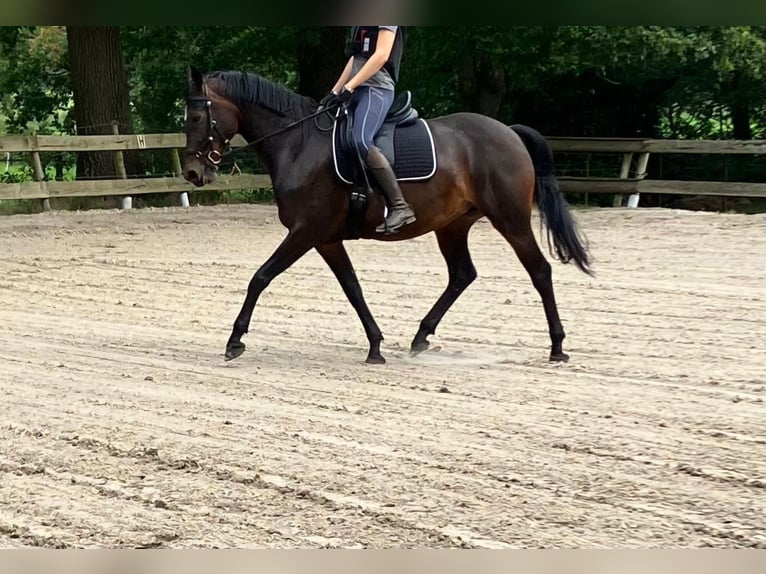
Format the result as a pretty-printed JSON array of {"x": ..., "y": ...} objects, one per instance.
[{"x": 196, "y": 119}]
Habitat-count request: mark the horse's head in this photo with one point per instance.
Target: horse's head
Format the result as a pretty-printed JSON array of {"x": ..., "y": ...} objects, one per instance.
[{"x": 211, "y": 121}]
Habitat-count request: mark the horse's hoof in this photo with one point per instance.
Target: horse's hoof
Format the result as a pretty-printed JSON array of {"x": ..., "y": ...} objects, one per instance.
[
  {"x": 418, "y": 347},
  {"x": 375, "y": 360},
  {"x": 559, "y": 358},
  {"x": 234, "y": 350}
]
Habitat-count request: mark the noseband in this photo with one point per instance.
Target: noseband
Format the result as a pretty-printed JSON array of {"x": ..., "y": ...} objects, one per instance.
[{"x": 213, "y": 157}]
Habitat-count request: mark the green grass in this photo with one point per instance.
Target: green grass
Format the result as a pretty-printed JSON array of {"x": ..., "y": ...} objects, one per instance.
[{"x": 17, "y": 206}]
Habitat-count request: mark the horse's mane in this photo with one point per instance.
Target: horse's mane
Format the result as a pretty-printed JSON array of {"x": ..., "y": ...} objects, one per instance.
[{"x": 247, "y": 88}]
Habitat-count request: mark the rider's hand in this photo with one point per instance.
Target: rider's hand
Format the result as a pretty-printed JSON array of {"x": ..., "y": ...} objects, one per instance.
[
  {"x": 345, "y": 95},
  {"x": 329, "y": 100}
]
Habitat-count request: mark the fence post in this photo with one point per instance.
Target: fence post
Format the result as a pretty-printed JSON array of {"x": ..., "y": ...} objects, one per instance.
[
  {"x": 177, "y": 172},
  {"x": 643, "y": 160},
  {"x": 119, "y": 166},
  {"x": 627, "y": 158},
  {"x": 37, "y": 165}
]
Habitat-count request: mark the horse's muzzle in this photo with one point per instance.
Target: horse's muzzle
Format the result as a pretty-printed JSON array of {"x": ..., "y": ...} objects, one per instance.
[
  {"x": 198, "y": 173},
  {"x": 195, "y": 176}
]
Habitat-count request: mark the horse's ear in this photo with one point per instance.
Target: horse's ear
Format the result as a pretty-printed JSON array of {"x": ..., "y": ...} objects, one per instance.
[{"x": 195, "y": 79}]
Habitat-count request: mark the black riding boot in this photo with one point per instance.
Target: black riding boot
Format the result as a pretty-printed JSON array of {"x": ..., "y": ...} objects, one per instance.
[{"x": 399, "y": 211}]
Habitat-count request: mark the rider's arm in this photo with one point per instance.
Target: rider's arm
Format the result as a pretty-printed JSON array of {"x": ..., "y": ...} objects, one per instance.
[
  {"x": 344, "y": 77},
  {"x": 376, "y": 61}
]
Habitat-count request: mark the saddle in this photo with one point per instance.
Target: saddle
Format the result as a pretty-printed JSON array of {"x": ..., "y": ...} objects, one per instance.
[
  {"x": 401, "y": 113},
  {"x": 404, "y": 139}
]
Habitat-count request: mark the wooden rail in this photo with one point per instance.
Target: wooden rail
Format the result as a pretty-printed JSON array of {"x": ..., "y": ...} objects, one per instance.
[
  {"x": 661, "y": 186},
  {"x": 125, "y": 187},
  {"x": 633, "y": 150},
  {"x": 91, "y": 143},
  {"x": 623, "y": 183},
  {"x": 639, "y": 145},
  {"x": 122, "y": 185}
]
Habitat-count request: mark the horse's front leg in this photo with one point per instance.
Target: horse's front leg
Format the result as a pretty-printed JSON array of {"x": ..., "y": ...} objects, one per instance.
[{"x": 292, "y": 248}]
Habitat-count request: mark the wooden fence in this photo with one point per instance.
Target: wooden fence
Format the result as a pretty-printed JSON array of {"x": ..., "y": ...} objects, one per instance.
[
  {"x": 640, "y": 149},
  {"x": 121, "y": 186},
  {"x": 635, "y": 157}
]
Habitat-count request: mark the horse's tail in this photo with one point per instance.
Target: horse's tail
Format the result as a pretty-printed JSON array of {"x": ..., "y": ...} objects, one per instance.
[{"x": 554, "y": 211}]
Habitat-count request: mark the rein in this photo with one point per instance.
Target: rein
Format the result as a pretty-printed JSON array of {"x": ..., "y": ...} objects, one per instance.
[
  {"x": 214, "y": 157},
  {"x": 282, "y": 129}
]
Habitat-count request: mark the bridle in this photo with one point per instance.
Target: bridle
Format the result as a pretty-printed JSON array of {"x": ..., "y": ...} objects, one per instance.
[{"x": 213, "y": 157}]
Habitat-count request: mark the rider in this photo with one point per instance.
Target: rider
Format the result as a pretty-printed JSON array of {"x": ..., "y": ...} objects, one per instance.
[{"x": 368, "y": 82}]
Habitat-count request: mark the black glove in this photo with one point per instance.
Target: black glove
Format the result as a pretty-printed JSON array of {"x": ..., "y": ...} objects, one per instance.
[
  {"x": 345, "y": 95},
  {"x": 330, "y": 100}
]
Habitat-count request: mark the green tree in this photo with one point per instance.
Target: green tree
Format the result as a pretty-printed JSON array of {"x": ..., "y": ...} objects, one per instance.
[
  {"x": 34, "y": 79},
  {"x": 320, "y": 58},
  {"x": 34, "y": 83},
  {"x": 158, "y": 57},
  {"x": 656, "y": 81}
]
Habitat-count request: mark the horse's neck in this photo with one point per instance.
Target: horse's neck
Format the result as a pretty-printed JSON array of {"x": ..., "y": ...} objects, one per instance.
[{"x": 277, "y": 150}]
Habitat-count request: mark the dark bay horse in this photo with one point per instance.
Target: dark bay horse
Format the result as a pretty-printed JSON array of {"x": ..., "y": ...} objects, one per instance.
[{"x": 485, "y": 169}]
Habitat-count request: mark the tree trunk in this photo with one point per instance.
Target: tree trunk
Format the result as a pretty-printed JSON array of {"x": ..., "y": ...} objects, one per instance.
[
  {"x": 740, "y": 108},
  {"x": 321, "y": 59},
  {"x": 482, "y": 84},
  {"x": 740, "y": 119},
  {"x": 100, "y": 91}
]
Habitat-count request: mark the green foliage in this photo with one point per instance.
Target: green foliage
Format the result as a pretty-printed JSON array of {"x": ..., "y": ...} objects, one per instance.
[
  {"x": 17, "y": 174},
  {"x": 34, "y": 80},
  {"x": 691, "y": 75},
  {"x": 703, "y": 71},
  {"x": 729, "y": 70},
  {"x": 656, "y": 81},
  {"x": 157, "y": 58}
]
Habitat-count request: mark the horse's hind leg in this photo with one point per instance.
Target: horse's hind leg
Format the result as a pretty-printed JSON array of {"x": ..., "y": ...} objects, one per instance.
[
  {"x": 522, "y": 239},
  {"x": 336, "y": 257},
  {"x": 453, "y": 243}
]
